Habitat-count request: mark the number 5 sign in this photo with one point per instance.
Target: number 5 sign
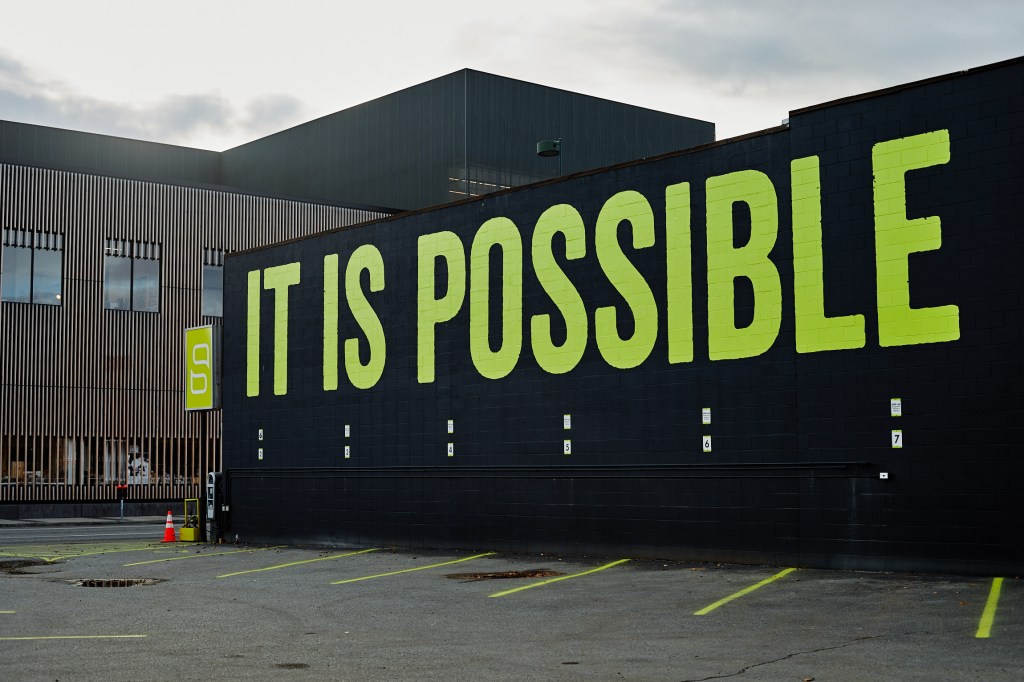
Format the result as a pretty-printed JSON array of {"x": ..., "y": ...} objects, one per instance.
[{"x": 202, "y": 373}]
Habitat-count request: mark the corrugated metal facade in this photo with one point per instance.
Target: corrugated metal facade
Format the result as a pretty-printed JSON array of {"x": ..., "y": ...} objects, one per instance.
[
  {"x": 86, "y": 393},
  {"x": 467, "y": 133}
]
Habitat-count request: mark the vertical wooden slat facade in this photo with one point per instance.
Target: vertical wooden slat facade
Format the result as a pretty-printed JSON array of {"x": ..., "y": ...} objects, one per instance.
[{"x": 83, "y": 389}]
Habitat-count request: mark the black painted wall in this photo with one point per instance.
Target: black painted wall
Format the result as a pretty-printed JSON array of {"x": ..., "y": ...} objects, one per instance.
[{"x": 799, "y": 439}]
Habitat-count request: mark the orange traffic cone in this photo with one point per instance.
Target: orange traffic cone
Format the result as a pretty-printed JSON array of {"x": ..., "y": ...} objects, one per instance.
[{"x": 169, "y": 529}]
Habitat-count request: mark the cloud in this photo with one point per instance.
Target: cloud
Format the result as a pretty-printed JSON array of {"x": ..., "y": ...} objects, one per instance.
[
  {"x": 186, "y": 119},
  {"x": 742, "y": 64},
  {"x": 759, "y": 47}
]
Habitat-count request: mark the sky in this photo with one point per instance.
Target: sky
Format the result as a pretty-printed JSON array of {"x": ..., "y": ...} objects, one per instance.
[{"x": 214, "y": 74}]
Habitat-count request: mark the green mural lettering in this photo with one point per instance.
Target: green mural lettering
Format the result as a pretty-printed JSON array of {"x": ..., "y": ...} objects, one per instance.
[
  {"x": 726, "y": 263},
  {"x": 252, "y": 335},
  {"x": 896, "y": 238},
  {"x": 679, "y": 292},
  {"x": 814, "y": 331},
  {"x": 503, "y": 233},
  {"x": 558, "y": 359},
  {"x": 331, "y": 322},
  {"x": 279, "y": 278},
  {"x": 630, "y": 207},
  {"x": 447, "y": 275},
  {"x": 431, "y": 311},
  {"x": 365, "y": 258}
]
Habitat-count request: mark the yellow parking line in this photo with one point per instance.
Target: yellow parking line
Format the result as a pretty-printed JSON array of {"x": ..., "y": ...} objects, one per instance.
[
  {"x": 708, "y": 609},
  {"x": 410, "y": 570},
  {"x": 989, "y": 614},
  {"x": 296, "y": 563},
  {"x": 555, "y": 580},
  {"x": 202, "y": 556},
  {"x": 8, "y": 611},
  {"x": 72, "y": 554},
  {"x": 25, "y": 639}
]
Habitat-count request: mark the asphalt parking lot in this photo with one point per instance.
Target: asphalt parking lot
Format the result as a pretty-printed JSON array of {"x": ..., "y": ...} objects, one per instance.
[{"x": 232, "y": 612}]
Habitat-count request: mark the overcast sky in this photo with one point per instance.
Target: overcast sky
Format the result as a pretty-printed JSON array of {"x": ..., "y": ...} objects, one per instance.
[{"x": 217, "y": 73}]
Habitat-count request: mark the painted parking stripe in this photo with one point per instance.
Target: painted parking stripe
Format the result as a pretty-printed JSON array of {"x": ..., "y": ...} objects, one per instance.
[
  {"x": 410, "y": 570},
  {"x": 37, "y": 637},
  {"x": 8, "y": 612},
  {"x": 989, "y": 614},
  {"x": 297, "y": 563},
  {"x": 71, "y": 555},
  {"x": 202, "y": 556},
  {"x": 721, "y": 602},
  {"x": 555, "y": 580}
]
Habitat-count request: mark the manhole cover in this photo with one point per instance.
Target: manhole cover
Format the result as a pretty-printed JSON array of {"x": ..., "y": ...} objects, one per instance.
[
  {"x": 115, "y": 582},
  {"x": 504, "y": 575}
]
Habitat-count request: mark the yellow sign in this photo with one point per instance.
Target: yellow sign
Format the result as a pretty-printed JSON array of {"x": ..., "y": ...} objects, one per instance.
[{"x": 200, "y": 369}]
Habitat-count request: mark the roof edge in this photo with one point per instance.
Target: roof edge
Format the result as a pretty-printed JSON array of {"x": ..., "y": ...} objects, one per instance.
[{"x": 906, "y": 86}]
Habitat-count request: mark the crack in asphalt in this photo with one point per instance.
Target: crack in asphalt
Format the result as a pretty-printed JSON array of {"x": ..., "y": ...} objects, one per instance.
[{"x": 857, "y": 640}]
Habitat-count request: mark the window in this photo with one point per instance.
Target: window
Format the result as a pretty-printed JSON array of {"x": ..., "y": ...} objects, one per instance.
[
  {"x": 131, "y": 276},
  {"x": 213, "y": 283},
  {"x": 31, "y": 269}
]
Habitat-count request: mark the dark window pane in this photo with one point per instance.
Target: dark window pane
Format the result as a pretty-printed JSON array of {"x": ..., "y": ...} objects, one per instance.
[
  {"x": 46, "y": 280},
  {"x": 117, "y": 283},
  {"x": 16, "y": 284},
  {"x": 213, "y": 290},
  {"x": 146, "y": 286}
]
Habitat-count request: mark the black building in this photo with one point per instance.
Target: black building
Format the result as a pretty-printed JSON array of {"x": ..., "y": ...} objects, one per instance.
[{"x": 802, "y": 346}]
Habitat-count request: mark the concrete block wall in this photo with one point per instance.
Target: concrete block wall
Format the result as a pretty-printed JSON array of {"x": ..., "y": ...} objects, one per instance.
[{"x": 575, "y": 350}]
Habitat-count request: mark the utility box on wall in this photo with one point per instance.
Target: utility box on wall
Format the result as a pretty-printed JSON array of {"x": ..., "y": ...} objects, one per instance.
[{"x": 691, "y": 356}]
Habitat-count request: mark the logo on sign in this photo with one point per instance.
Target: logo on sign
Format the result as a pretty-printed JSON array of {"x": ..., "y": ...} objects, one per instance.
[{"x": 200, "y": 359}]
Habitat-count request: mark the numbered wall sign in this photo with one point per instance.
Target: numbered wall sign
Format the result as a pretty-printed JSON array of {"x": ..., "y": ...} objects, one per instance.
[
  {"x": 259, "y": 454},
  {"x": 707, "y": 443},
  {"x": 202, "y": 373},
  {"x": 451, "y": 449},
  {"x": 897, "y": 438},
  {"x": 348, "y": 451},
  {"x": 567, "y": 447}
]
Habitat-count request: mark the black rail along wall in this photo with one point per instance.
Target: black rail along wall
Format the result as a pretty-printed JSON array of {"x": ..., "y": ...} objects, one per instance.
[{"x": 802, "y": 346}]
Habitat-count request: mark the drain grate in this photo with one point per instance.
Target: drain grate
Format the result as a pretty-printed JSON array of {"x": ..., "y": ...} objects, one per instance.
[
  {"x": 115, "y": 582},
  {"x": 505, "y": 575}
]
